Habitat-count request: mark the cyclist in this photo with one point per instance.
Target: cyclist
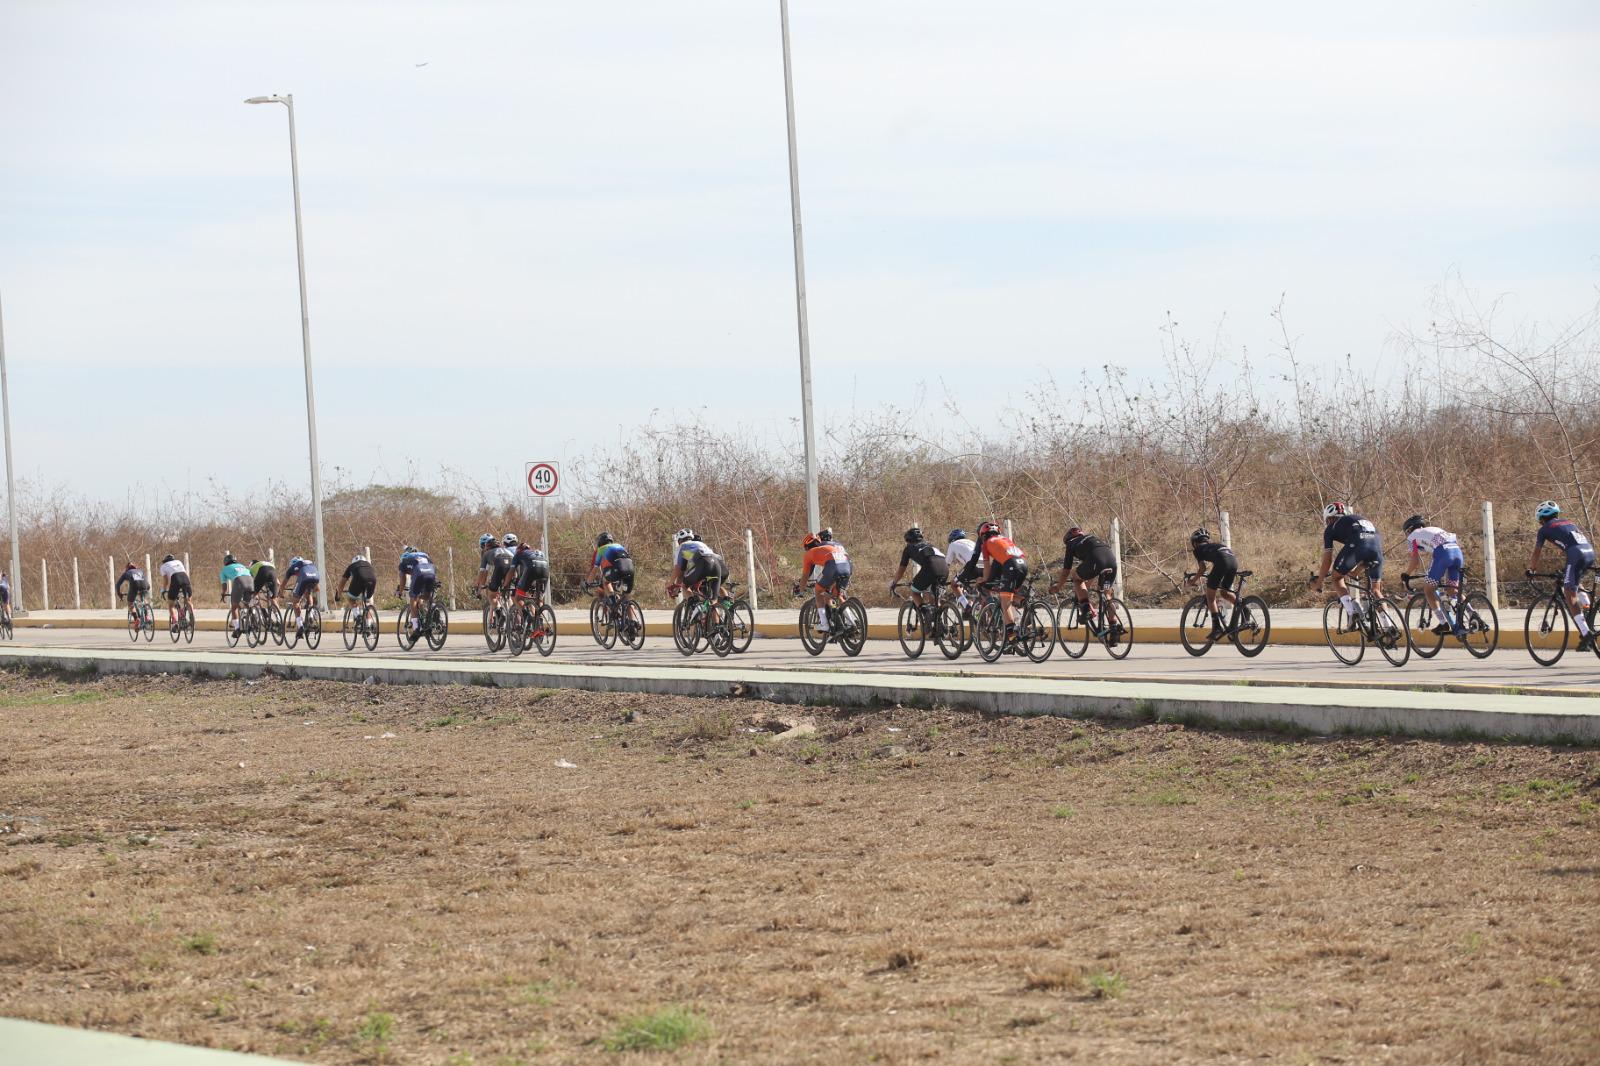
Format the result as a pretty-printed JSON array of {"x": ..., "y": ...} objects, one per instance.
[
  {"x": 1005, "y": 566},
  {"x": 265, "y": 578},
  {"x": 138, "y": 584},
  {"x": 1564, "y": 534},
  {"x": 1443, "y": 568},
  {"x": 5, "y": 594},
  {"x": 835, "y": 575},
  {"x": 418, "y": 569},
  {"x": 958, "y": 553},
  {"x": 494, "y": 564},
  {"x": 932, "y": 568},
  {"x": 1096, "y": 562},
  {"x": 612, "y": 565},
  {"x": 236, "y": 582},
  {"x": 177, "y": 576},
  {"x": 1219, "y": 580},
  {"x": 303, "y": 572},
  {"x": 359, "y": 580},
  {"x": 1363, "y": 547},
  {"x": 694, "y": 564},
  {"x": 530, "y": 570}
]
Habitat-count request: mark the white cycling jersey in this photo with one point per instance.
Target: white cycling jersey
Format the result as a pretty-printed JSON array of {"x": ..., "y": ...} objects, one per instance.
[
  {"x": 1431, "y": 538},
  {"x": 174, "y": 567},
  {"x": 958, "y": 554}
]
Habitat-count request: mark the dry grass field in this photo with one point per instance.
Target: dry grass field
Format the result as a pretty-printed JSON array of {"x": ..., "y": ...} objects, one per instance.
[{"x": 351, "y": 874}]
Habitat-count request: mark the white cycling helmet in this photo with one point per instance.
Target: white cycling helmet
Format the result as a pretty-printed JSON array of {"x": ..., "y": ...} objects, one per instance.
[
  {"x": 511, "y": 540},
  {"x": 685, "y": 534},
  {"x": 1333, "y": 510},
  {"x": 1546, "y": 510}
]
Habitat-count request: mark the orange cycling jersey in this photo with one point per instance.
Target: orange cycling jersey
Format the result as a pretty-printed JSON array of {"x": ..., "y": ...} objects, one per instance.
[
  {"x": 822, "y": 555},
  {"x": 1001, "y": 550}
]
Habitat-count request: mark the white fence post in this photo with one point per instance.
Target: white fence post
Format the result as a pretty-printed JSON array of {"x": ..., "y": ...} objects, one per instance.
[
  {"x": 674, "y": 563},
  {"x": 111, "y": 582},
  {"x": 1010, "y": 535},
  {"x": 366, "y": 553},
  {"x": 44, "y": 585},
  {"x": 186, "y": 565},
  {"x": 450, "y": 556},
  {"x": 1225, "y": 530},
  {"x": 750, "y": 558},
  {"x": 149, "y": 574},
  {"x": 77, "y": 596},
  {"x": 271, "y": 558},
  {"x": 1491, "y": 578},
  {"x": 1116, "y": 549}
]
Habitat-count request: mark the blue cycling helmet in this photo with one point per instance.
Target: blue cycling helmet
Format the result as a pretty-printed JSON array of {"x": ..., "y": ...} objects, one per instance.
[
  {"x": 537, "y": 556},
  {"x": 296, "y": 561},
  {"x": 956, "y": 534},
  {"x": 408, "y": 550},
  {"x": 1547, "y": 510},
  {"x": 485, "y": 540}
]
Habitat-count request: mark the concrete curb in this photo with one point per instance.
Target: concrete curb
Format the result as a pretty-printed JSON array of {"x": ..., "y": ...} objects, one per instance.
[
  {"x": 37, "y": 1044},
  {"x": 1319, "y": 711}
]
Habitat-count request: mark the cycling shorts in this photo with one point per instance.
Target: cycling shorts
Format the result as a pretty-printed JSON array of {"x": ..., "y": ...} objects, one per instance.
[
  {"x": 1222, "y": 573},
  {"x": 1446, "y": 565},
  {"x": 5, "y": 595},
  {"x": 705, "y": 568},
  {"x": 1011, "y": 576},
  {"x": 423, "y": 585},
  {"x": 242, "y": 589},
  {"x": 1354, "y": 555},
  {"x": 178, "y": 584},
  {"x": 267, "y": 584},
  {"x": 534, "y": 576},
  {"x": 497, "y": 576},
  {"x": 1099, "y": 561},
  {"x": 1579, "y": 559},
  {"x": 620, "y": 574},
  {"x": 305, "y": 585},
  {"x": 937, "y": 572},
  {"x": 835, "y": 575},
  {"x": 360, "y": 589}
]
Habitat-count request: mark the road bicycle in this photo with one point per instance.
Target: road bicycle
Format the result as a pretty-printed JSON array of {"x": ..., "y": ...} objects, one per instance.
[
  {"x": 938, "y": 617},
  {"x": 1078, "y": 621},
  {"x": 496, "y": 616},
  {"x": 433, "y": 623},
  {"x": 7, "y": 630},
  {"x": 847, "y": 622},
  {"x": 1035, "y": 633},
  {"x": 1551, "y": 619},
  {"x": 1473, "y": 610},
  {"x": 181, "y": 624},
  {"x": 1378, "y": 621},
  {"x": 303, "y": 622},
  {"x": 530, "y": 623},
  {"x": 613, "y": 617},
  {"x": 141, "y": 619},
  {"x": 1247, "y": 621},
  {"x": 360, "y": 622},
  {"x": 723, "y": 622}
]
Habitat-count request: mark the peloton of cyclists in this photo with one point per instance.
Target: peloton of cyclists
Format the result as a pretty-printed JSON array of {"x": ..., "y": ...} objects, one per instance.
[
  {"x": 1444, "y": 567},
  {"x": 1362, "y": 549},
  {"x": 177, "y": 578},
  {"x": 1565, "y": 534}
]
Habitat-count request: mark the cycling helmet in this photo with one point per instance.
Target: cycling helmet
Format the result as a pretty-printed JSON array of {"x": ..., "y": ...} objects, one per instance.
[
  {"x": 511, "y": 540},
  {"x": 811, "y": 541},
  {"x": 914, "y": 535},
  {"x": 1200, "y": 535},
  {"x": 1416, "y": 521},
  {"x": 685, "y": 534},
  {"x": 536, "y": 555},
  {"x": 296, "y": 561},
  {"x": 1072, "y": 536},
  {"x": 1333, "y": 510},
  {"x": 408, "y": 550},
  {"x": 956, "y": 534},
  {"x": 825, "y": 534},
  {"x": 988, "y": 529},
  {"x": 1547, "y": 510},
  {"x": 227, "y": 559},
  {"x": 130, "y": 566},
  {"x": 485, "y": 540},
  {"x": 359, "y": 558},
  {"x": 168, "y": 558},
  {"x": 603, "y": 539}
]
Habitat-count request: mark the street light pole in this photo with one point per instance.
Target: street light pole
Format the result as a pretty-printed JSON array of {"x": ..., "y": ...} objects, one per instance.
[
  {"x": 813, "y": 507},
  {"x": 287, "y": 100},
  {"x": 11, "y": 484}
]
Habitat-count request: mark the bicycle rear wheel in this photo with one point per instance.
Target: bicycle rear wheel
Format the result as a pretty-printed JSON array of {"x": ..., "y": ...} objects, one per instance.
[
  {"x": 1118, "y": 640},
  {"x": 909, "y": 628},
  {"x": 229, "y": 632},
  {"x": 438, "y": 625},
  {"x": 1194, "y": 627},
  {"x": 949, "y": 631},
  {"x": 1547, "y": 623},
  {"x": 272, "y": 619},
  {"x": 292, "y": 628},
  {"x": 811, "y": 637},
  {"x": 1389, "y": 625},
  {"x": 403, "y": 633},
  {"x": 186, "y": 620},
  {"x": 1251, "y": 626},
  {"x": 1420, "y": 620},
  {"x": 853, "y": 616},
  {"x": 1347, "y": 645},
  {"x": 633, "y": 625},
  {"x": 682, "y": 619},
  {"x": 1482, "y": 624},
  {"x": 989, "y": 632},
  {"x": 313, "y": 627},
  {"x": 544, "y": 630},
  {"x": 369, "y": 626},
  {"x": 600, "y": 626},
  {"x": 740, "y": 620},
  {"x": 518, "y": 622},
  {"x": 348, "y": 626},
  {"x": 1038, "y": 632}
]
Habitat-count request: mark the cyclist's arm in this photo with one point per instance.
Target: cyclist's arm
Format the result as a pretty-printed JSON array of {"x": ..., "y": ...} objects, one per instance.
[
  {"x": 1533, "y": 563},
  {"x": 1327, "y": 563}
]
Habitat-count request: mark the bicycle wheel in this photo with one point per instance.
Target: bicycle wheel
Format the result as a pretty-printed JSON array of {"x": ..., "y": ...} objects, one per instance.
[
  {"x": 948, "y": 632},
  {"x": 292, "y": 628},
  {"x": 1194, "y": 627},
  {"x": 1347, "y": 644},
  {"x": 544, "y": 630},
  {"x": 517, "y": 624},
  {"x": 369, "y": 626},
  {"x": 989, "y": 632},
  {"x": 186, "y": 621},
  {"x": 175, "y": 620},
  {"x": 1071, "y": 630},
  {"x": 682, "y": 620},
  {"x": 272, "y": 619},
  {"x": 853, "y": 617},
  {"x": 438, "y": 624},
  {"x": 313, "y": 626},
  {"x": 740, "y": 620},
  {"x": 348, "y": 626},
  {"x": 231, "y": 633},
  {"x": 1038, "y": 632},
  {"x": 147, "y": 622},
  {"x": 252, "y": 626},
  {"x": 721, "y": 640},
  {"x": 909, "y": 628},
  {"x": 494, "y": 626},
  {"x": 633, "y": 625},
  {"x": 1251, "y": 626},
  {"x": 1482, "y": 624},
  {"x": 813, "y": 638},
  {"x": 1118, "y": 642},
  {"x": 403, "y": 631},
  {"x": 597, "y": 621},
  {"x": 1547, "y": 622},
  {"x": 1420, "y": 620},
  {"x": 1389, "y": 626}
]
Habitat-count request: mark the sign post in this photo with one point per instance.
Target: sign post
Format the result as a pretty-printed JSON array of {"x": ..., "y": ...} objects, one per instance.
[{"x": 544, "y": 482}]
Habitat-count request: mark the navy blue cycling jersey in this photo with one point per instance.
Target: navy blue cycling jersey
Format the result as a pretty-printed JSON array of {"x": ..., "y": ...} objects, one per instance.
[
  {"x": 1351, "y": 529},
  {"x": 417, "y": 564},
  {"x": 1564, "y": 533},
  {"x": 305, "y": 570}
]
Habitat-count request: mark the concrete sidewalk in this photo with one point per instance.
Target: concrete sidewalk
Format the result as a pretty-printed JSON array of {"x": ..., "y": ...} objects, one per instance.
[{"x": 36, "y": 1044}]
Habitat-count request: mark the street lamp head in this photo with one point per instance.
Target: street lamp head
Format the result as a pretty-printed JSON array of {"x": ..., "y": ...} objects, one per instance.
[{"x": 267, "y": 100}]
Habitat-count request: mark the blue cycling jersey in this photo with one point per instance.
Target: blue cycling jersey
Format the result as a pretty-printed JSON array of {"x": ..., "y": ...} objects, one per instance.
[
  {"x": 1351, "y": 529},
  {"x": 609, "y": 554},
  {"x": 417, "y": 564},
  {"x": 1564, "y": 533},
  {"x": 305, "y": 570}
]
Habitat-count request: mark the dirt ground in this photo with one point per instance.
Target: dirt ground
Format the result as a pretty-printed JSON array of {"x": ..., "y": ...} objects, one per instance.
[{"x": 344, "y": 873}]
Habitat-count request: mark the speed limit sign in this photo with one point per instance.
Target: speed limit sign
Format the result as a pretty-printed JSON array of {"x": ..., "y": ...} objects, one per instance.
[{"x": 544, "y": 479}]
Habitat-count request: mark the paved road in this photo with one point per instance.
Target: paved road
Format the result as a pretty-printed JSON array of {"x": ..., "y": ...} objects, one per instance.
[{"x": 1279, "y": 664}]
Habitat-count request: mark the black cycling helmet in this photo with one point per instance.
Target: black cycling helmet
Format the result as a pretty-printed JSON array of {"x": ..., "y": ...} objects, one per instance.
[
  {"x": 1416, "y": 521},
  {"x": 956, "y": 534},
  {"x": 168, "y": 558},
  {"x": 825, "y": 534},
  {"x": 1200, "y": 536},
  {"x": 1072, "y": 536},
  {"x": 914, "y": 535},
  {"x": 603, "y": 539},
  {"x": 227, "y": 559}
]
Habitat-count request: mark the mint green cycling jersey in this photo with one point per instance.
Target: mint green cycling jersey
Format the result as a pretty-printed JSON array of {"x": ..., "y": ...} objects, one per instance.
[{"x": 234, "y": 570}]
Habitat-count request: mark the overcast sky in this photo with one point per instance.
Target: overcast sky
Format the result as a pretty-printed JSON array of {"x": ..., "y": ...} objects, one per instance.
[{"x": 531, "y": 226}]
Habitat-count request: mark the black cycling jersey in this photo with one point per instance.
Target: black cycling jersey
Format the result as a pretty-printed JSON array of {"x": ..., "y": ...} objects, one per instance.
[
  {"x": 922, "y": 553},
  {"x": 361, "y": 574},
  {"x": 1350, "y": 529},
  {"x": 1086, "y": 547},
  {"x": 1214, "y": 554}
]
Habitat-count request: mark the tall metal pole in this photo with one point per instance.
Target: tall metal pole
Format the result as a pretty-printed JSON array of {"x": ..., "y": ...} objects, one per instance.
[
  {"x": 11, "y": 484},
  {"x": 287, "y": 100},
  {"x": 813, "y": 508}
]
